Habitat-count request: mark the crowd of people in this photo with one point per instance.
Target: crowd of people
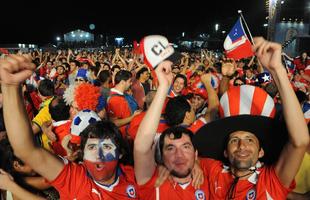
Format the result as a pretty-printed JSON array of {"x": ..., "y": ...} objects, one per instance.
[{"x": 115, "y": 125}]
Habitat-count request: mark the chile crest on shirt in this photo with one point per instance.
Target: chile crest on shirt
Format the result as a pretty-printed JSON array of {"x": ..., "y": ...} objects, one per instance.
[
  {"x": 251, "y": 195},
  {"x": 200, "y": 195},
  {"x": 131, "y": 192}
]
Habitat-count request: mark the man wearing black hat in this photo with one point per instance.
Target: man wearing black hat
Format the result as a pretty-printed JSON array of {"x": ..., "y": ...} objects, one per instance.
[{"x": 241, "y": 141}]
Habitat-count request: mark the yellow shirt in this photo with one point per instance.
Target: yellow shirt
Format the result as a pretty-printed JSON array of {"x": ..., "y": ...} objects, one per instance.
[
  {"x": 303, "y": 176},
  {"x": 44, "y": 116}
]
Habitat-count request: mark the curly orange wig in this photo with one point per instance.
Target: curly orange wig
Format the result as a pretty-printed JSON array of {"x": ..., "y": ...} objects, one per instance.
[{"x": 87, "y": 96}]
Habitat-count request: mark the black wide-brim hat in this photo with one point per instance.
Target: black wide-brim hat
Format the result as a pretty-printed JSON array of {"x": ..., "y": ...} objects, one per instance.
[{"x": 211, "y": 139}]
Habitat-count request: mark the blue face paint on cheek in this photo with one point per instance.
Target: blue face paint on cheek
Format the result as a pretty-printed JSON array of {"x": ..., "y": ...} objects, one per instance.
[{"x": 108, "y": 150}]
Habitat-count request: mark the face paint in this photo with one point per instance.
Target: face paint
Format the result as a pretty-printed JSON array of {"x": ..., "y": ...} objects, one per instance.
[
  {"x": 101, "y": 158},
  {"x": 107, "y": 150}
]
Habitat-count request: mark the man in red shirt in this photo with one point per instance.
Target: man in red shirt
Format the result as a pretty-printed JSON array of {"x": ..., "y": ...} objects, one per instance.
[
  {"x": 135, "y": 122},
  {"x": 240, "y": 141},
  {"x": 174, "y": 150},
  {"x": 118, "y": 108},
  {"x": 100, "y": 176},
  {"x": 179, "y": 111}
]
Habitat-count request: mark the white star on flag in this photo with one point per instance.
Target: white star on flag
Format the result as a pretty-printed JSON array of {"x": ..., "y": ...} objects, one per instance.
[{"x": 266, "y": 78}]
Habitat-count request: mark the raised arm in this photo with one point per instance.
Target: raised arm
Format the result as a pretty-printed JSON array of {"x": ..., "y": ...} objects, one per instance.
[
  {"x": 123, "y": 61},
  {"x": 144, "y": 162},
  {"x": 13, "y": 71},
  {"x": 213, "y": 100},
  {"x": 269, "y": 54},
  {"x": 228, "y": 69}
]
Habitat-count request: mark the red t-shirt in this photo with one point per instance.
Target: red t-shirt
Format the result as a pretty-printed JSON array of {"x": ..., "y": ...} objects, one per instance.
[
  {"x": 74, "y": 183},
  {"x": 194, "y": 127},
  {"x": 268, "y": 185},
  {"x": 301, "y": 65},
  {"x": 117, "y": 107},
  {"x": 136, "y": 121},
  {"x": 170, "y": 190},
  {"x": 171, "y": 93},
  {"x": 61, "y": 129}
]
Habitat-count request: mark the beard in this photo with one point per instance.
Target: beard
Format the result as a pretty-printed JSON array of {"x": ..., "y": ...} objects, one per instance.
[
  {"x": 241, "y": 165},
  {"x": 180, "y": 175}
]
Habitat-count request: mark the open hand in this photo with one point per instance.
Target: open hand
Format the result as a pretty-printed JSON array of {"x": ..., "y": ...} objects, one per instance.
[
  {"x": 163, "y": 174},
  {"x": 228, "y": 67},
  {"x": 5, "y": 180}
]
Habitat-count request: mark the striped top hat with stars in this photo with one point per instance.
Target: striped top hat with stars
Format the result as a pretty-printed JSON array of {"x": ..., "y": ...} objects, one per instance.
[{"x": 245, "y": 108}]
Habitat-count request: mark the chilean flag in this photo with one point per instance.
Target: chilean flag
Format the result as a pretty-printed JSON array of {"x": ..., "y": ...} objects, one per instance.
[{"x": 237, "y": 45}]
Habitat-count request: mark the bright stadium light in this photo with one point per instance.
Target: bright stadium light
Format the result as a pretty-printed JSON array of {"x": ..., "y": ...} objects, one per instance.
[
  {"x": 217, "y": 27},
  {"x": 58, "y": 38},
  {"x": 119, "y": 40},
  {"x": 265, "y": 25}
]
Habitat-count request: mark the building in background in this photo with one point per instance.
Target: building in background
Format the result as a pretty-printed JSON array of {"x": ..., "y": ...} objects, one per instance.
[
  {"x": 288, "y": 24},
  {"x": 78, "y": 36}
]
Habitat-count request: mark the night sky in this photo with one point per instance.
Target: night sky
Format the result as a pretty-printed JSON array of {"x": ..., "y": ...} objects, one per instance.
[{"x": 41, "y": 22}]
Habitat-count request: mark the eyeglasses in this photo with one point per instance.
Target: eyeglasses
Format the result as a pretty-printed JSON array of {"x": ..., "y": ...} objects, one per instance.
[{"x": 79, "y": 80}]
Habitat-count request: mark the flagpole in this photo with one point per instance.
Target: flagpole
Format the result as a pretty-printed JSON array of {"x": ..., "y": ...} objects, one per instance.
[
  {"x": 284, "y": 60},
  {"x": 246, "y": 25}
]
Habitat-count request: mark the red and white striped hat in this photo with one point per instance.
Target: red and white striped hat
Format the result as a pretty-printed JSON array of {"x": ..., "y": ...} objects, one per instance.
[
  {"x": 245, "y": 108},
  {"x": 246, "y": 100}
]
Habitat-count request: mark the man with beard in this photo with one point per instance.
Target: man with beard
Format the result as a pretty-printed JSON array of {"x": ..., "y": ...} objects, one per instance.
[
  {"x": 254, "y": 158},
  {"x": 174, "y": 150},
  {"x": 99, "y": 176}
]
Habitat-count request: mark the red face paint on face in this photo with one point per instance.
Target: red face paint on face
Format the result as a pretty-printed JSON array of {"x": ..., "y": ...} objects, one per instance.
[
  {"x": 101, "y": 171},
  {"x": 101, "y": 158}
]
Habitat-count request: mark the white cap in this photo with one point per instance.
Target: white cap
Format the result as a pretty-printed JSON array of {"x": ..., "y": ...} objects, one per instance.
[{"x": 155, "y": 49}]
